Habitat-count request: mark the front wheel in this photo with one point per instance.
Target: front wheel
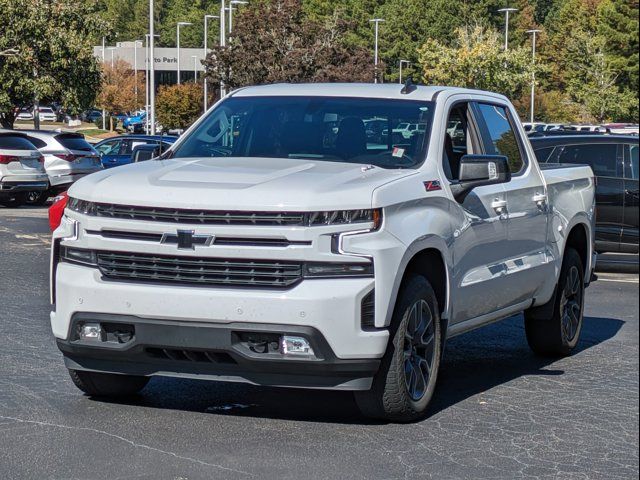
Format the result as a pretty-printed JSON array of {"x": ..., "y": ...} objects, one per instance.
[
  {"x": 404, "y": 385},
  {"x": 557, "y": 333},
  {"x": 107, "y": 384}
]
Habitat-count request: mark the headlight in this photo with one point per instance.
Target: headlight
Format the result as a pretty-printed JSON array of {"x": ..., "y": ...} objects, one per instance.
[
  {"x": 329, "y": 270},
  {"x": 345, "y": 217},
  {"x": 81, "y": 206},
  {"x": 78, "y": 255}
]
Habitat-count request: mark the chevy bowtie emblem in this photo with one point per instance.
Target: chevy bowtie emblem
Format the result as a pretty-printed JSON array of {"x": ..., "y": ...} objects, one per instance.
[{"x": 186, "y": 240}]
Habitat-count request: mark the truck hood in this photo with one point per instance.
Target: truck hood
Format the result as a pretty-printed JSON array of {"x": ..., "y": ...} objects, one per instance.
[{"x": 232, "y": 183}]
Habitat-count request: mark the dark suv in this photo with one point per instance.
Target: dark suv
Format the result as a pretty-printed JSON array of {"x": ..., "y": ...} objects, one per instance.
[{"x": 614, "y": 160}]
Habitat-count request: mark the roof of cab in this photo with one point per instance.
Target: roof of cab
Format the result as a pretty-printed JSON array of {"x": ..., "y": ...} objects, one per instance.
[{"x": 365, "y": 90}]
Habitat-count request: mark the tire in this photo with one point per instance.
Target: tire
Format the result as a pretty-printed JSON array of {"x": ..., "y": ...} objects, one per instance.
[
  {"x": 404, "y": 385},
  {"x": 553, "y": 330},
  {"x": 107, "y": 384},
  {"x": 14, "y": 201},
  {"x": 37, "y": 198}
]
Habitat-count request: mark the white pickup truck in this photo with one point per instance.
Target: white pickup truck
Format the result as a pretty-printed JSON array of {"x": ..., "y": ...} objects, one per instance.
[{"x": 277, "y": 243}]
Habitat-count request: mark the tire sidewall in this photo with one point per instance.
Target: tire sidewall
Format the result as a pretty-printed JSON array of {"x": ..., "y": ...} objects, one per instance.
[{"x": 571, "y": 259}]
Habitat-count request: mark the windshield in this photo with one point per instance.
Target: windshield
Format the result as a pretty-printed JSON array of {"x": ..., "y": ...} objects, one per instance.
[{"x": 354, "y": 130}]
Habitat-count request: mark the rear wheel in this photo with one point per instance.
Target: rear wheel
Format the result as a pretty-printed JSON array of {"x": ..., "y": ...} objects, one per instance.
[
  {"x": 404, "y": 385},
  {"x": 107, "y": 384},
  {"x": 14, "y": 201},
  {"x": 557, "y": 333},
  {"x": 37, "y": 198}
]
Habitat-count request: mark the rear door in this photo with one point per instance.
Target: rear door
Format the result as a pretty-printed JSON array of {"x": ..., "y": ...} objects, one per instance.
[
  {"x": 110, "y": 153},
  {"x": 527, "y": 262},
  {"x": 605, "y": 160},
  {"x": 630, "y": 227}
]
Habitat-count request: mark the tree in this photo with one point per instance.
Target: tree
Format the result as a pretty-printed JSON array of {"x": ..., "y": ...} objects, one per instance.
[
  {"x": 118, "y": 89},
  {"x": 55, "y": 59},
  {"x": 477, "y": 60},
  {"x": 275, "y": 42},
  {"x": 178, "y": 106}
]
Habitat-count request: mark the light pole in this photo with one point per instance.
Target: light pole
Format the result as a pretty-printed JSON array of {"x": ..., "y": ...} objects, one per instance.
[
  {"x": 401, "y": 62},
  {"x": 135, "y": 69},
  {"x": 178, "y": 25},
  {"x": 507, "y": 11},
  {"x": 223, "y": 38},
  {"x": 376, "y": 22},
  {"x": 195, "y": 68},
  {"x": 152, "y": 72},
  {"x": 104, "y": 113},
  {"x": 231, "y": 9},
  {"x": 206, "y": 52},
  {"x": 112, "y": 49},
  {"x": 147, "y": 80},
  {"x": 533, "y": 34}
]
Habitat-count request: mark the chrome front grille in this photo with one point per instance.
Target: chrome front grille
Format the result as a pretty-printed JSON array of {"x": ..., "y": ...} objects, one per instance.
[
  {"x": 204, "y": 217},
  {"x": 138, "y": 267}
]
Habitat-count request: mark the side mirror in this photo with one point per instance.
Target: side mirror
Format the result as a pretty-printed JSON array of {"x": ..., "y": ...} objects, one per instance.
[
  {"x": 478, "y": 171},
  {"x": 142, "y": 153}
]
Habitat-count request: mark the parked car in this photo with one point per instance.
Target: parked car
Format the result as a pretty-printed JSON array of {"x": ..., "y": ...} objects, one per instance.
[
  {"x": 91, "y": 116},
  {"x": 135, "y": 123},
  {"x": 278, "y": 253},
  {"x": 56, "y": 210},
  {"x": 117, "y": 151},
  {"x": 534, "y": 127},
  {"x": 25, "y": 114},
  {"x": 67, "y": 158},
  {"x": 46, "y": 114},
  {"x": 614, "y": 159},
  {"x": 586, "y": 128},
  {"x": 21, "y": 169}
]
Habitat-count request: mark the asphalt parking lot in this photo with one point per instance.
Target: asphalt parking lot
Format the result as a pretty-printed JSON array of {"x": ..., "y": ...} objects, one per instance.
[{"x": 499, "y": 412}]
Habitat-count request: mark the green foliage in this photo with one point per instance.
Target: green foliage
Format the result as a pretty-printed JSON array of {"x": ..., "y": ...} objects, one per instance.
[
  {"x": 477, "y": 60},
  {"x": 178, "y": 106},
  {"x": 55, "y": 59},
  {"x": 274, "y": 42}
]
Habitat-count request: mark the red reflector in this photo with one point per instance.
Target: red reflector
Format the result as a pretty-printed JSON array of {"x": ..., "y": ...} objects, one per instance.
[
  {"x": 6, "y": 159},
  {"x": 432, "y": 185}
]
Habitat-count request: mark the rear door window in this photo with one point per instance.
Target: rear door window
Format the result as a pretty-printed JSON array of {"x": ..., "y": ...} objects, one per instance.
[
  {"x": 110, "y": 148},
  {"x": 10, "y": 142},
  {"x": 74, "y": 142},
  {"x": 603, "y": 157},
  {"x": 503, "y": 137},
  {"x": 544, "y": 154}
]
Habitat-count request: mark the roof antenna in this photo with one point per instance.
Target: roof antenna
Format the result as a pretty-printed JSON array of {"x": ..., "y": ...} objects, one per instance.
[{"x": 408, "y": 86}]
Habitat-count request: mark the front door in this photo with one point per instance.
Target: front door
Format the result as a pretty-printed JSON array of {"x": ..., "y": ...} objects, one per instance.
[
  {"x": 528, "y": 262},
  {"x": 479, "y": 225}
]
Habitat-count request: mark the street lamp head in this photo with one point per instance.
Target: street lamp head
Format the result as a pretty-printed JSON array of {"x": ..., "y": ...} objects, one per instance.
[
  {"x": 184, "y": 23},
  {"x": 212, "y": 16},
  {"x": 508, "y": 9},
  {"x": 238, "y": 2},
  {"x": 533, "y": 31},
  {"x": 377, "y": 20}
]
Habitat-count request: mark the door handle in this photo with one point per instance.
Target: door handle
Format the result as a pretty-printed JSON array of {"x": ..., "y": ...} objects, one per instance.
[
  {"x": 540, "y": 199},
  {"x": 500, "y": 206}
]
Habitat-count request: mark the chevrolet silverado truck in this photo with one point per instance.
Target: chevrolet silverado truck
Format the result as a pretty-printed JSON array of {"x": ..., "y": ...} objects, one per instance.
[{"x": 275, "y": 243}]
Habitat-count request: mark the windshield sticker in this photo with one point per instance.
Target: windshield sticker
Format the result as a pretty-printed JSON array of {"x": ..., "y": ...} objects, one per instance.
[{"x": 398, "y": 152}]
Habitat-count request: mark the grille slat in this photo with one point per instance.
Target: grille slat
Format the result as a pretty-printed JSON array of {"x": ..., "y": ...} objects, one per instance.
[
  {"x": 205, "y": 271},
  {"x": 205, "y": 217}
]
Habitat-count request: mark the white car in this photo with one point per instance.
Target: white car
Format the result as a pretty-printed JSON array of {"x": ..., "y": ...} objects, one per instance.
[
  {"x": 265, "y": 247},
  {"x": 25, "y": 114},
  {"x": 46, "y": 114},
  {"x": 21, "y": 169}
]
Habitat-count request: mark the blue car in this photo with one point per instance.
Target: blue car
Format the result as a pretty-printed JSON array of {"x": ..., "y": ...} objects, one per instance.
[
  {"x": 135, "y": 123},
  {"x": 117, "y": 151}
]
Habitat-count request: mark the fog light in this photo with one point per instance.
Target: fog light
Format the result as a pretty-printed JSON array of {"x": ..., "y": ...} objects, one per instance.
[
  {"x": 295, "y": 346},
  {"x": 91, "y": 331}
]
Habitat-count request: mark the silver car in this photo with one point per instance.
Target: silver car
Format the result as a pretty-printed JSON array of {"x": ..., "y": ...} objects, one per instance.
[
  {"x": 67, "y": 158},
  {"x": 21, "y": 169}
]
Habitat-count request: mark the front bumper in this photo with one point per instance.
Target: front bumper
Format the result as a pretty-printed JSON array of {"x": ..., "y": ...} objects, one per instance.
[
  {"x": 212, "y": 351},
  {"x": 328, "y": 305}
]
